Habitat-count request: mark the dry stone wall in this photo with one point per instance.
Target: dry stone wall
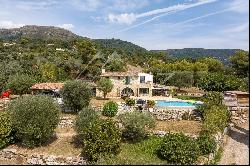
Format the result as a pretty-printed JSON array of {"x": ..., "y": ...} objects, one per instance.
[
  {"x": 36, "y": 159},
  {"x": 66, "y": 122},
  {"x": 174, "y": 114},
  {"x": 239, "y": 116}
]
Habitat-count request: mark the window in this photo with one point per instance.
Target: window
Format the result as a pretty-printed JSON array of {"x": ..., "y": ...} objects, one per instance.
[
  {"x": 142, "y": 79},
  {"x": 127, "y": 80},
  {"x": 144, "y": 91}
]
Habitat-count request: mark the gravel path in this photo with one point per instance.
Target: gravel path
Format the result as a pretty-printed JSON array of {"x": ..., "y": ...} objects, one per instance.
[{"x": 236, "y": 150}]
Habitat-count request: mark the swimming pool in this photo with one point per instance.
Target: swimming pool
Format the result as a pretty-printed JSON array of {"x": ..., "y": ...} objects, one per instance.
[{"x": 163, "y": 103}]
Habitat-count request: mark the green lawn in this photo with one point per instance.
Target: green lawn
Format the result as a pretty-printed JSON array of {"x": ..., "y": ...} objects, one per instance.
[{"x": 139, "y": 153}]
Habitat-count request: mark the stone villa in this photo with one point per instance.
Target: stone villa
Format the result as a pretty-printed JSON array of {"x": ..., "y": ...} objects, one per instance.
[{"x": 129, "y": 83}]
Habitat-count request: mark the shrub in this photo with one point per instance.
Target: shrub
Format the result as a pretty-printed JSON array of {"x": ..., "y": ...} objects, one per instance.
[
  {"x": 5, "y": 129},
  {"x": 84, "y": 119},
  {"x": 150, "y": 103},
  {"x": 3, "y": 80},
  {"x": 216, "y": 119},
  {"x": 183, "y": 97},
  {"x": 141, "y": 153},
  {"x": 76, "y": 95},
  {"x": 34, "y": 119},
  {"x": 178, "y": 149},
  {"x": 130, "y": 102},
  {"x": 20, "y": 84},
  {"x": 136, "y": 125},
  {"x": 105, "y": 85},
  {"x": 110, "y": 109},
  {"x": 101, "y": 138},
  {"x": 206, "y": 143},
  {"x": 213, "y": 98},
  {"x": 185, "y": 116}
]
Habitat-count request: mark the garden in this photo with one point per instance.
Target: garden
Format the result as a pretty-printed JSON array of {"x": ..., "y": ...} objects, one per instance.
[{"x": 38, "y": 132}]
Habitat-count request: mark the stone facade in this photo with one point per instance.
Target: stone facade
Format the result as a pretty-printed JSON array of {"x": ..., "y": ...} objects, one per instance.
[{"x": 134, "y": 85}]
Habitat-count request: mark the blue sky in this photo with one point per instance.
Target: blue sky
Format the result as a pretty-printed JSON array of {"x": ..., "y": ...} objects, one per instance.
[{"x": 152, "y": 24}]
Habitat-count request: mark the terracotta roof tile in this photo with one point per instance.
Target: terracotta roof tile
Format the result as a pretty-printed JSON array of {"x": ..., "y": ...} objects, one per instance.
[{"x": 48, "y": 86}]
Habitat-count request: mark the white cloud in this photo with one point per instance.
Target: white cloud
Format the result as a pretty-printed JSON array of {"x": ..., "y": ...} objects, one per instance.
[
  {"x": 238, "y": 28},
  {"x": 35, "y": 5},
  {"x": 9, "y": 24},
  {"x": 237, "y": 7},
  {"x": 86, "y": 5},
  {"x": 66, "y": 26},
  {"x": 130, "y": 4},
  {"x": 122, "y": 18},
  {"x": 96, "y": 18},
  {"x": 129, "y": 18}
]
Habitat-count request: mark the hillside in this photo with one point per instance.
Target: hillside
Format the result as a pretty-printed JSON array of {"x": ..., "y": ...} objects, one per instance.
[
  {"x": 37, "y": 32},
  {"x": 195, "y": 53},
  {"x": 109, "y": 45},
  {"x": 127, "y": 47}
]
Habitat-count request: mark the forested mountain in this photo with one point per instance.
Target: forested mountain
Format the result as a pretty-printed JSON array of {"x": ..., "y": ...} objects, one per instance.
[
  {"x": 51, "y": 54},
  {"x": 128, "y": 47},
  {"x": 122, "y": 47},
  {"x": 195, "y": 53},
  {"x": 37, "y": 32}
]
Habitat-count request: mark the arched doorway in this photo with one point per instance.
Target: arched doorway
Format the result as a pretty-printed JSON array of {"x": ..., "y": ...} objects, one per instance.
[{"x": 127, "y": 92}]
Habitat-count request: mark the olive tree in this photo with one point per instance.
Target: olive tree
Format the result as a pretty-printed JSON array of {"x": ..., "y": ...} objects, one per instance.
[
  {"x": 20, "y": 83},
  {"x": 105, "y": 85},
  {"x": 34, "y": 119},
  {"x": 76, "y": 95}
]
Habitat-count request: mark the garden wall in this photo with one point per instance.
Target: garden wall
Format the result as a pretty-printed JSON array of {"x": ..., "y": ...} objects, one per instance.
[
  {"x": 35, "y": 159},
  {"x": 174, "y": 114}
]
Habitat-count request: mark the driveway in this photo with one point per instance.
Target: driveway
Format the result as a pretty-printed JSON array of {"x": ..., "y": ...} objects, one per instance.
[{"x": 236, "y": 150}]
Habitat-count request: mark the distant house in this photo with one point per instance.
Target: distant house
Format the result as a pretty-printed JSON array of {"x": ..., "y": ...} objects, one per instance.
[
  {"x": 60, "y": 49},
  {"x": 47, "y": 86},
  {"x": 8, "y": 44},
  {"x": 51, "y": 89},
  {"x": 236, "y": 99},
  {"x": 129, "y": 83}
]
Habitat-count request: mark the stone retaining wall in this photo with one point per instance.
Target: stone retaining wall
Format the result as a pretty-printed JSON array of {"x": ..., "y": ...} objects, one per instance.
[
  {"x": 66, "y": 122},
  {"x": 3, "y": 103},
  {"x": 220, "y": 141},
  {"x": 175, "y": 114},
  {"x": 239, "y": 116},
  {"x": 35, "y": 159}
]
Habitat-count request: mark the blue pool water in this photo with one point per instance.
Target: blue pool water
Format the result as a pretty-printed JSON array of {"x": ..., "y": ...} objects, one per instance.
[{"x": 162, "y": 103}]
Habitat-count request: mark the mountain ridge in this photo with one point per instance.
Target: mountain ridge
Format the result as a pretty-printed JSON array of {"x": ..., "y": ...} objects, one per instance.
[
  {"x": 57, "y": 33},
  {"x": 37, "y": 32}
]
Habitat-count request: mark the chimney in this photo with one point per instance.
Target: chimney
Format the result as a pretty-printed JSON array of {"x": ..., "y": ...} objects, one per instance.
[{"x": 103, "y": 71}]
